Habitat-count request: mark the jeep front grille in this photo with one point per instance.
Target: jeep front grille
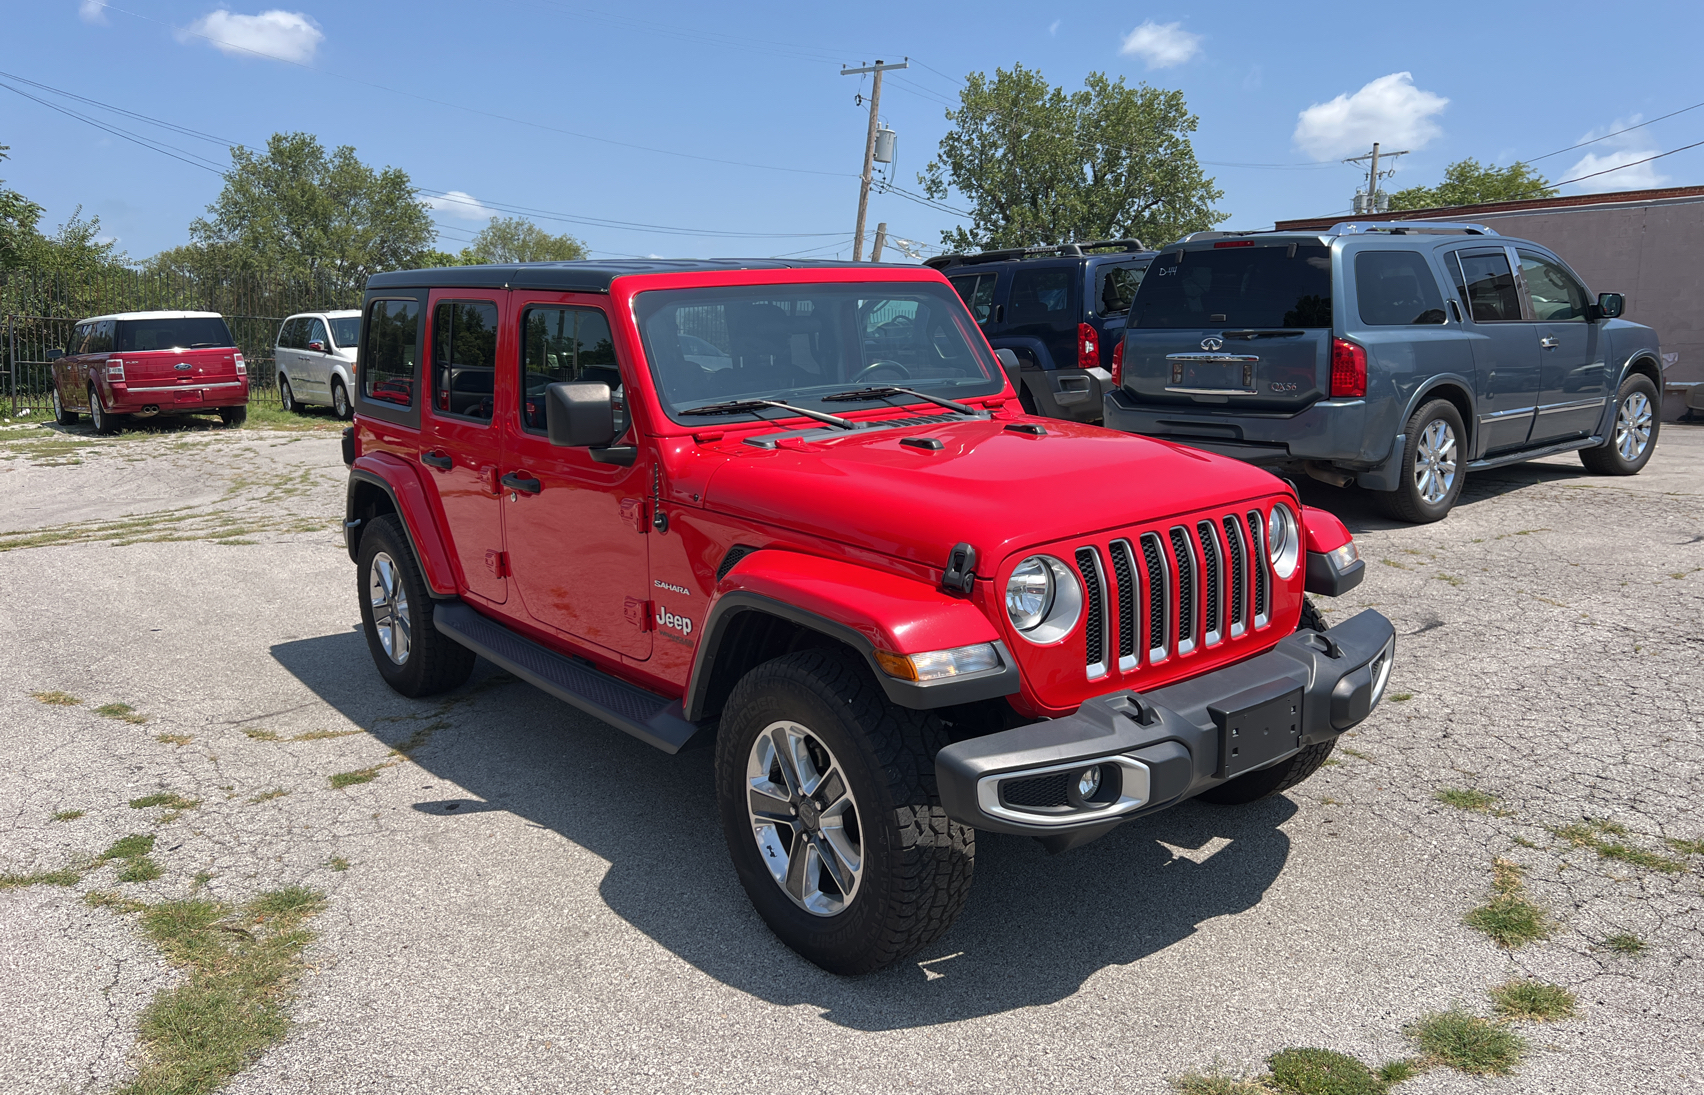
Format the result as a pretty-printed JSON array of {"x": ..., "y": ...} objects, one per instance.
[{"x": 1155, "y": 595}]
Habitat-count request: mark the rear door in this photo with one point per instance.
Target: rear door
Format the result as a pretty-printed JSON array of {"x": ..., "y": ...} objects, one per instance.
[
  {"x": 1505, "y": 351},
  {"x": 291, "y": 336},
  {"x": 1572, "y": 375},
  {"x": 977, "y": 292},
  {"x": 460, "y": 447},
  {"x": 1237, "y": 322},
  {"x": 1042, "y": 306},
  {"x": 177, "y": 360}
]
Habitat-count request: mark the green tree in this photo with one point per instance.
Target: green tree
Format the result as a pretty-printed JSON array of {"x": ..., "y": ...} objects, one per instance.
[
  {"x": 1039, "y": 166},
  {"x": 1468, "y": 182},
  {"x": 297, "y": 212},
  {"x": 18, "y": 219},
  {"x": 516, "y": 239}
]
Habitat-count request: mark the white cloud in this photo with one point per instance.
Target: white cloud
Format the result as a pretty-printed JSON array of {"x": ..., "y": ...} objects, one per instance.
[
  {"x": 92, "y": 11},
  {"x": 280, "y": 35},
  {"x": 1053, "y": 27},
  {"x": 1161, "y": 45},
  {"x": 1623, "y": 148},
  {"x": 1390, "y": 110},
  {"x": 461, "y": 205}
]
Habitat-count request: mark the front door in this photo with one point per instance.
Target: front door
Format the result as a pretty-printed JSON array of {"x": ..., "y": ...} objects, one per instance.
[
  {"x": 1573, "y": 381},
  {"x": 575, "y": 529},
  {"x": 1505, "y": 346},
  {"x": 459, "y": 446}
]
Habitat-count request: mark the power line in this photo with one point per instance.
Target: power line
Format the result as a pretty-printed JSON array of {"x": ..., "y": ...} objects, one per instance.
[
  {"x": 1625, "y": 166},
  {"x": 161, "y": 147},
  {"x": 1616, "y": 133}
]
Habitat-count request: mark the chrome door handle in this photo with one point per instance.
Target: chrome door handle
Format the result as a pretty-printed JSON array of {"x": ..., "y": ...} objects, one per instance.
[{"x": 1549, "y": 343}]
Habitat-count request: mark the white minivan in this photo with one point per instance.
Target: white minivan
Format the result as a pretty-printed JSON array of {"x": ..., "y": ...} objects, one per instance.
[{"x": 315, "y": 357}]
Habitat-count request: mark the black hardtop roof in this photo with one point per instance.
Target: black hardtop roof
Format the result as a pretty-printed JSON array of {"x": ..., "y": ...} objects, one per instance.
[{"x": 591, "y": 275}]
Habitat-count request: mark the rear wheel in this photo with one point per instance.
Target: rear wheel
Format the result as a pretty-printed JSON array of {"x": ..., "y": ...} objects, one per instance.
[
  {"x": 1633, "y": 438},
  {"x": 340, "y": 400},
  {"x": 233, "y": 416},
  {"x": 286, "y": 396},
  {"x": 104, "y": 423},
  {"x": 831, "y": 814},
  {"x": 1432, "y": 460},
  {"x": 396, "y": 612},
  {"x": 60, "y": 414},
  {"x": 1280, "y": 777}
]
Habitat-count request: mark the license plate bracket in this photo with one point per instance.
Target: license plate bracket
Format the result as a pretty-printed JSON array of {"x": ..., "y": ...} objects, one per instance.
[
  {"x": 1257, "y": 727},
  {"x": 192, "y": 396},
  {"x": 1228, "y": 377}
]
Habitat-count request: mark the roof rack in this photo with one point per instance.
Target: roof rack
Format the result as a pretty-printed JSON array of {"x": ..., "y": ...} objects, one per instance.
[
  {"x": 1404, "y": 228},
  {"x": 1217, "y": 235},
  {"x": 1064, "y": 250}
]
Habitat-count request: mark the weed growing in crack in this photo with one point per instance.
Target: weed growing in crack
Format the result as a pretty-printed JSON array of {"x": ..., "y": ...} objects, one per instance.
[
  {"x": 1625, "y": 943},
  {"x": 1686, "y": 847},
  {"x": 65, "y": 876},
  {"x": 129, "y": 847},
  {"x": 1216, "y": 1081},
  {"x": 1356, "y": 753},
  {"x": 173, "y": 739},
  {"x": 349, "y": 779},
  {"x": 1321, "y": 1072},
  {"x": 259, "y": 734},
  {"x": 1466, "y": 1043},
  {"x": 1463, "y": 799},
  {"x": 121, "y": 711},
  {"x": 68, "y": 815},
  {"x": 1401, "y": 697},
  {"x": 1509, "y": 918},
  {"x": 164, "y": 798},
  {"x": 57, "y": 699},
  {"x": 1539, "y": 1001},
  {"x": 1591, "y": 833},
  {"x": 268, "y": 796},
  {"x": 141, "y": 869},
  {"x": 1396, "y": 1072}
]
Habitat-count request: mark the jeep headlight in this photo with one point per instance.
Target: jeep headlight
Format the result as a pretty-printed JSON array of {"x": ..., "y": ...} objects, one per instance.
[
  {"x": 1283, "y": 540},
  {"x": 1043, "y": 599}
]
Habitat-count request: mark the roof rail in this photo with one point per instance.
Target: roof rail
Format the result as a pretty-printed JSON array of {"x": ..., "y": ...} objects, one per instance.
[
  {"x": 1064, "y": 250},
  {"x": 1403, "y": 228}
]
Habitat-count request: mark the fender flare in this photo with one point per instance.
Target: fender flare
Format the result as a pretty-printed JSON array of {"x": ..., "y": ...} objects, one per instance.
[
  {"x": 867, "y": 610},
  {"x": 1645, "y": 353},
  {"x": 1426, "y": 390},
  {"x": 398, "y": 479}
]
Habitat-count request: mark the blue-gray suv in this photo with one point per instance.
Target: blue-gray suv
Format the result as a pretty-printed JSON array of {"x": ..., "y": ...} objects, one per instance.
[{"x": 1396, "y": 356}]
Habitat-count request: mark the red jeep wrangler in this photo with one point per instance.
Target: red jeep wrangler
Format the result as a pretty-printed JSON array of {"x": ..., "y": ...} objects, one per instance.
[{"x": 793, "y": 509}]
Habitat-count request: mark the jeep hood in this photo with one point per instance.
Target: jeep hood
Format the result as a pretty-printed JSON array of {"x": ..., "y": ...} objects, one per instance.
[{"x": 998, "y": 490}]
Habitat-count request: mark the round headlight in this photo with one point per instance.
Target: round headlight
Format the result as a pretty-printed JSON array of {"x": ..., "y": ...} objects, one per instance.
[
  {"x": 1043, "y": 599},
  {"x": 1283, "y": 540}
]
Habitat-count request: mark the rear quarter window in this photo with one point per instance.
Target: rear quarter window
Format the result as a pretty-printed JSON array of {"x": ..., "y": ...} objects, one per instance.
[
  {"x": 388, "y": 363},
  {"x": 1395, "y": 289},
  {"x": 1280, "y": 285},
  {"x": 1115, "y": 287}
]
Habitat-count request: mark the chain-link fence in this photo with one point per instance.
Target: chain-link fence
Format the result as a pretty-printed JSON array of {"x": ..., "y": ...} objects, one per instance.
[{"x": 40, "y": 308}]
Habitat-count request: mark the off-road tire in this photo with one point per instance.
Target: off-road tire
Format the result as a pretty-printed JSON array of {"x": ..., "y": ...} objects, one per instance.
[
  {"x": 340, "y": 405},
  {"x": 1280, "y": 777},
  {"x": 233, "y": 417},
  {"x": 436, "y": 663},
  {"x": 104, "y": 423},
  {"x": 1405, "y": 503},
  {"x": 917, "y": 862},
  {"x": 1606, "y": 459},
  {"x": 287, "y": 396},
  {"x": 60, "y": 414}
]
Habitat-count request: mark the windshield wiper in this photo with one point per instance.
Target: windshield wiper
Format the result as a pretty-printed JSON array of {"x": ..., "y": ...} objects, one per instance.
[
  {"x": 865, "y": 394},
  {"x": 746, "y": 406}
]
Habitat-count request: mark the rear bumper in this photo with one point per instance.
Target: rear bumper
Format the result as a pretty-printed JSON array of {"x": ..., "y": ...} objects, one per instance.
[
  {"x": 147, "y": 398},
  {"x": 1160, "y": 748},
  {"x": 1345, "y": 431}
]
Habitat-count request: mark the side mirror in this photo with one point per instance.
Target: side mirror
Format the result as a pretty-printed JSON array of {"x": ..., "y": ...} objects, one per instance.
[
  {"x": 1009, "y": 362},
  {"x": 1610, "y": 305},
  {"x": 55, "y": 355},
  {"x": 317, "y": 346}
]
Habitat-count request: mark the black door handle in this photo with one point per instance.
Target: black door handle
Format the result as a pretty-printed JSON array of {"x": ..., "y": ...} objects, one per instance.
[
  {"x": 438, "y": 460},
  {"x": 525, "y": 486}
]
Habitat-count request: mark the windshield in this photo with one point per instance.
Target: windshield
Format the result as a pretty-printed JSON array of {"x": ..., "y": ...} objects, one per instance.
[
  {"x": 346, "y": 332},
  {"x": 195, "y": 332},
  {"x": 800, "y": 343},
  {"x": 1268, "y": 285}
]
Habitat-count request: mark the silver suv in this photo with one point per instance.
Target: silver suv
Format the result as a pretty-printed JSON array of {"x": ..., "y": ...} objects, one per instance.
[{"x": 315, "y": 358}]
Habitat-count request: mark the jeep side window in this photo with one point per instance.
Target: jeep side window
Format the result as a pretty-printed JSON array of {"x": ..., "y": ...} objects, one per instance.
[
  {"x": 1556, "y": 296},
  {"x": 1116, "y": 287},
  {"x": 464, "y": 358},
  {"x": 565, "y": 344},
  {"x": 977, "y": 292},
  {"x": 1489, "y": 286},
  {"x": 1396, "y": 288},
  {"x": 393, "y": 336}
]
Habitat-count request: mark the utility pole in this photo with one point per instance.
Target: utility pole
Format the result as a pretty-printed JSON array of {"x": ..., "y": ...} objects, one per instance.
[
  {"x": 881, "y": 241},
  {"x": 1371, "y": 204},
  {"x": 869, "y": 146}
]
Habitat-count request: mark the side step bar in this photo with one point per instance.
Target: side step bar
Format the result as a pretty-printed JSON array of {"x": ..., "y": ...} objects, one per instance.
[
  {"x": 647, "y": 716},
  {"x": 1505, "y": 459}
]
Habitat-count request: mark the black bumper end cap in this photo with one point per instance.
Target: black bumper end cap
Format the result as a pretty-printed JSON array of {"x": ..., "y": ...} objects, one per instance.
[{"x": 1326, "y": 580}]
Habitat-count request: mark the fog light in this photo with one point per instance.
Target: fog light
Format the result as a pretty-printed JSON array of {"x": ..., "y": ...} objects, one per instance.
[{"x": 1088, "y": 782}]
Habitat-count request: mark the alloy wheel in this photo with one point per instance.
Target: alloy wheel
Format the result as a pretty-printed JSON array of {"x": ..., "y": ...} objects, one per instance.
[
  {"x": 1633, "y": 426},
  {"x": 804, "y": 819},
  {"x": 1435, "y": 462},
  {"x": 389, "y": 600},
  {"x": 340, "y": 400},
  {"x": 58, "y": 408},
  {"x": 286, "y": 397}
]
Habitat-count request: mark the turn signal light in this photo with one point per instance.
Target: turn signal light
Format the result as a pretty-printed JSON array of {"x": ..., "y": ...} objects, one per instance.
[
  {"x": 1348, "y": 370},
  {"x": 938, "y": 664},
  {"x": 1118, "y": 364},
  {"x": 1088, "y": 347}
]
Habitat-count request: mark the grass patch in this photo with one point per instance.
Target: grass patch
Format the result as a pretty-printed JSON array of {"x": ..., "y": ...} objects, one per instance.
[
  {"x": 141, "y": 869},
  {"x": 129, "y": 847},
  {"x": 1396, "y": 1072},
  {"x": 1216, "y": 1081},
  {"x": 337, "y": 863},
  {"x": 259, "y": 734},
  {"x": 106, "y": 899},
  {"x": 1686, "y": 847},
  {"x": 1401, "y": 697},
  {"x": 1625, "y": 943},
  {"x": 1467, "y": 1043},
  {"x": 1450, "y": 578},
  {"x": 1539, "y": 1001},
  {"x": 1356, "y": 753},
  {"x": 1591, "y": 833},
  {"x": 68, "y": 815},
  {"x": 120, "y": 711},
  {"x": 57, "y": 699},
  {"x": 65, "y": 876},
  {"x": 1321, "y": 1072},
  {"x": 241, "y": 965},
  {"x": 173, "y": 739},
  {"x": 349, "y": 779},
  {"x": 164, "y": 798},
  {"x": 1463, "y": 799},
  {"x": 1509, "y": 918},
  {"x": 268, "y": 796}
]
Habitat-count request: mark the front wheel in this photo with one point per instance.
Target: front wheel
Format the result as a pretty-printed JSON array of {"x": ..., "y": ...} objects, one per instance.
[
  {"x": 287, "y": 396},
  {"x": 340, "y": 400},
  {"x": 1432, "y": 459},
  {"x": 1634, "y": 436},
  {"x": 831, "y": 814}
]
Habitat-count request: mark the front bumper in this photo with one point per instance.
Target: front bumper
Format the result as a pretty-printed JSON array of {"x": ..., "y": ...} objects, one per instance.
[{"x": 1156, "y": 749}]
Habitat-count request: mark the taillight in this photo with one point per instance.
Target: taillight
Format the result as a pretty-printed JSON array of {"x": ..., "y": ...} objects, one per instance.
[
  {"x": 242, "y": 370},
  {"x": 1088, "y": 347},
  {"x": 115, "y": 368},
  {"x": 1118, "y": 364},
  {"x": 1348, "y": 369}
]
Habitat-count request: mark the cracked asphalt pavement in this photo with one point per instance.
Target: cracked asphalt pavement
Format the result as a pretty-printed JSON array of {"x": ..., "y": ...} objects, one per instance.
[{"x": 534, "y": 902}]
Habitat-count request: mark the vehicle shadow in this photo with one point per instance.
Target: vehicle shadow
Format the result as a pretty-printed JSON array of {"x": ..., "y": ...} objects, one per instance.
[
  {"x": 1034, "y": 929},
  {"x": 1359, "y": 513}
]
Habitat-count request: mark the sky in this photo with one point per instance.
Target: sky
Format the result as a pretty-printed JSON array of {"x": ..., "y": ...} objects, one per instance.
[{"x": 678, "y": 129}]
